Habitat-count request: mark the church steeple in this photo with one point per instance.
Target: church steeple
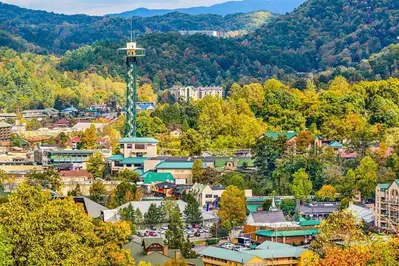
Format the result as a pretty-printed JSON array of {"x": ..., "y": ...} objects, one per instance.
[{"x": 273, "y": 207}]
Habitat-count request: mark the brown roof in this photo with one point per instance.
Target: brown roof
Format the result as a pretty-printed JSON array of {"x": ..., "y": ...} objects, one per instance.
[{"x": 75, "y": 173}]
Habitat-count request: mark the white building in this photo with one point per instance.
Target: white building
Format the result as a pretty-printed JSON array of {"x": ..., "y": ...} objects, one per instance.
[{"x": 194, "y": 93}]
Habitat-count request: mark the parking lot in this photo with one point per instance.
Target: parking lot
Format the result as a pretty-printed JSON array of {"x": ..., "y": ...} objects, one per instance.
[{"x": 189, "y": 231}]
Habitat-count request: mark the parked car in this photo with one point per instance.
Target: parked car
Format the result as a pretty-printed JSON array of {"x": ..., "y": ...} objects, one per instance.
[
  {"x": 147, "y": 233},
  {"x": 152, "y": 233},
  {"x": 164, "y": 227},
  {"x": 197, "y": 234},
  {"x": 190, "y": 234},
  {"x": 200, "y": 231}
]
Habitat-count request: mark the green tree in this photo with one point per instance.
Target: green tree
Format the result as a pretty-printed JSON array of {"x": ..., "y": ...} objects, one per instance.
[
  {"x": 96, "y": 165},
  {"x": 33, "y": 124},
  {"x": 98, "y": 191},
  {"x": 266, "y": 205},
  {"x": 139, "y": 218},
  {"x": 197, "y": 170},
  {"x": 128, "y": 214},
  {"x": 75, "y": 192},
  {"x": 187, "y": 250},
  {"x": 89, "y": 138},
  {"x": 192, "y": 142},
  {"x": 6, "y": 249},
  {"x": 267, "y": 151},
  {"x": 287, "y": 206},
  {"x": 232, "y": 210},
  {"x": 192, "y": 213},
  {"x": 153, "y": 216},
  {"x": 48, "y": 178},
  {"x": 302, "y": 186},
  {"x": 126, "y": 192},
  {"x": 175, "y": 233},
  {"x": 127, "y": 175},
  {"x": 347, "y": 186},
  {"x": 366, "y": 176},
  {"x": 233, "y": 179}
]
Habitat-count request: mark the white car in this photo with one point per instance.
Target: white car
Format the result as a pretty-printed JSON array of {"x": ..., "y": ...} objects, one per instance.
[{"x": 165, "y": 227}]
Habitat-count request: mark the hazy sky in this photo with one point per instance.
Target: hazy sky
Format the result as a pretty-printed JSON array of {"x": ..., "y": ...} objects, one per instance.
[{"x": 101, "y": 7}]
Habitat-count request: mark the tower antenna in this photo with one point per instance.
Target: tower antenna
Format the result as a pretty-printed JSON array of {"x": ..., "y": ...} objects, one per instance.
[{"x": 132, "y": 52}]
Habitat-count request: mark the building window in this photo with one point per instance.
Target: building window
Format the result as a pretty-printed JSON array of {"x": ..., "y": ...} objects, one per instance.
[
  {"x": 208, "y": 196},
  {"x": 140, "y": 146},
  {"x": 121, "y": 146},
  {"x": 129, "y": 146},
  {"x": 215, "y": 196}
]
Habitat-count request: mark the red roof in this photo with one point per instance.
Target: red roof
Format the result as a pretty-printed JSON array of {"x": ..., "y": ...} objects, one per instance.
[
  {"x": 76, "y": 173},
  {"x": 62, "y": 121},
  {"x": 75, "y": 139}
]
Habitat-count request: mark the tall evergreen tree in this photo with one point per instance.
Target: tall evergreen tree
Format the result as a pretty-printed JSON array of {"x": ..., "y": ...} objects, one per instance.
[
  {"x": 192, "y": 213},
  {"x": 175, "y": 233}
]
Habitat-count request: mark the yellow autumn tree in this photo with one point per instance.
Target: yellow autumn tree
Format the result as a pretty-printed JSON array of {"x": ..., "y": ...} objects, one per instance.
[
  {"x": 232, "y": 207},
  {"x": 44, "y": 231},
  {"x": 327, "y": 192}
]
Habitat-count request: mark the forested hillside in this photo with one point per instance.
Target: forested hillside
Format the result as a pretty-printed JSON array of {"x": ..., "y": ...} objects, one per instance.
[
  {"x": 324, "y": 33},
  {"x": 331, "y": 37},
  {"x": 43, "y": 32}
]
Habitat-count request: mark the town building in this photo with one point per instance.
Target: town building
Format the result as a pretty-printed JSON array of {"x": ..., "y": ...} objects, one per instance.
[
  {"x": 40, "y": 113},
  {"x": 210, "y": 33},
  {"x": 82, "y": 126},
  {"x": 268, "y": 253},
  {"x": 138, "y": 147},
  {"x": 8, "y": 116},
  {"x": 387, "y": 206},
  {"x": 151, "y": 178},
  {"x": 181, "y": 171},
  {"x": 194, "y": 93},
  {"x": 318, "y": 210},
  {"x": 206, "y": 194},
  {"x": 78, "y": 158},
  {"x": 5, "y": 132},
  {"x": 145, "y": 106},
  {"x": 41, "y": 152},
  {"x": 156, "y": 252}
]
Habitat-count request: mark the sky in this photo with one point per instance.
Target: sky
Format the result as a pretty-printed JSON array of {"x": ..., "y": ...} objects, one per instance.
[{"x": 101, "y": 7}]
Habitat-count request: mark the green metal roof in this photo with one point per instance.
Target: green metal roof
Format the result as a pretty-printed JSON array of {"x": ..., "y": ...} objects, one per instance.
[
  {"x": 148, "y": 241},
  {"x": 335, "y": 144},
  {"x": 138, "y": 140},
  {"x": 287, "y": 252},
  {"x": 139, "y": 171},
  {"x": 272, "y": 245},
  {"x": 152, "y": 177},
  {"x": 134, "y": 160},
  {"x": 69, "y": 152},
  {"x": 116, "y": 157},
  {"x": 226, "y": 254},
  {"x": 383, "y": 186},
  {"x": 138, "y": 254},
  {"x": 309, "y": 222},
  {"x": 177, "y": 165},
  {"x": 288, "y": 233},
  {"x": 259, "y": 199},
  {"x": 253, "y": 208},
  {"x": 289, "y": 135}
]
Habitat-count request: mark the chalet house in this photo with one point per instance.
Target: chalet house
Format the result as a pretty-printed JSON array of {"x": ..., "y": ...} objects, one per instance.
[{"x": 156, "y": 252}]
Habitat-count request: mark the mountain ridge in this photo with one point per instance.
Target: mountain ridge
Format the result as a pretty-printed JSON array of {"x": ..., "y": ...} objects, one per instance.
[{"x": 229, "y": 7}]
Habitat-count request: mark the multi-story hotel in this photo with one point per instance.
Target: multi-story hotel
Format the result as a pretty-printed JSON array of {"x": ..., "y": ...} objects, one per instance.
[{"x": 387, "y": 206}]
